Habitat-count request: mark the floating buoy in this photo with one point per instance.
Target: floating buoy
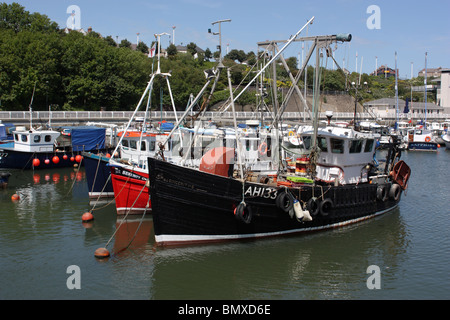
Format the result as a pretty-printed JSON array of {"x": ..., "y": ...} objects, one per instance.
[
  {"x": 78, "y": 158},
  {"x": 87, "y": 217},
  {"x": 15, "y": 197},
  {"x": 72, "y": 159},
  {"x": 438, "y": 145},
  {"x": 47, "y": 161},
  {"x": 108, "y": 155},
  {"x": 101, "y": 253},
  {"x": 55, "y": 159},
  {"x": 65, "y": 157},
  {"x": 36, "y": 162}
]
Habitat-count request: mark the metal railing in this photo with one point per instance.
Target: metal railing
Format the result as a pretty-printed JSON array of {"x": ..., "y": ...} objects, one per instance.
[{"x": 40, "y": 117}]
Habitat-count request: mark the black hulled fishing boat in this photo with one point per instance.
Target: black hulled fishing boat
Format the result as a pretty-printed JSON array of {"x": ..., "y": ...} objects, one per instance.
[{"x": 338, "y": 182}]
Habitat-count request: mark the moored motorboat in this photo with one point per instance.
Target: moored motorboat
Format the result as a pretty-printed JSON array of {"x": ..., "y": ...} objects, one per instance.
[
  {"x": 421, "y": 139},
  {"x": 37, "y": 149}
]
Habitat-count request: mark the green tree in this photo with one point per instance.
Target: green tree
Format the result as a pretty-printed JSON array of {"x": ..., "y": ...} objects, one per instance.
[{"x": 172, "y": 51}]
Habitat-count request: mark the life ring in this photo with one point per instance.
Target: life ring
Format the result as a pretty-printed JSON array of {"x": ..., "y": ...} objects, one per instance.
[
  {"x": 243, "y": 213},
  {"x": 312, "y": 206},
  {"x": 427, "y": 139},
  {"x": 262, "y": 148},
  {"x": 395, "y": 192},
  {"x": 382, "y": 193},
  {"x": 285, "y": 201},
  {"x": 325, "y": 207}
]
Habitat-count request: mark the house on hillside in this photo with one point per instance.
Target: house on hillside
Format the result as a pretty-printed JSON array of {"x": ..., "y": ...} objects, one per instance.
[
  {"x": 384, "y": 70},
  {"x": 431, "y": 72},
  {"x": 183, "y": 49}
]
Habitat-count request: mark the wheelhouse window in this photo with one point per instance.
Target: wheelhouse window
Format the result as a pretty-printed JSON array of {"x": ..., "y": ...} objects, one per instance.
[
  {"x": 355, "y": 146},
  {"x": 37, "y": 139},
  {"x": 306, "y": 142},
  {"x": 322, "y": 143},
  {"x": 24, "y": 138},
  {"x": 48, "y": 138},
  {"x": 125, "y": 144},
  {"x": 133, "y": 144},
  {"x": 143, "y": 146},
  {"x": 369, "y": 145},
  {"x": 337, "y": 145}
]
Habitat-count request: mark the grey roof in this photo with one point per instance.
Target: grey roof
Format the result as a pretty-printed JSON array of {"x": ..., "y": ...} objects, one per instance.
[{"x": 384, "y": 102}]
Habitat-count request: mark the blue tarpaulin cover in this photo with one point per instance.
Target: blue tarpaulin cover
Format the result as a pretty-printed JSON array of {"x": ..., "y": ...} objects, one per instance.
[
  {"x": 2, "y": 132},
  {"x": 87, "y": 138}
]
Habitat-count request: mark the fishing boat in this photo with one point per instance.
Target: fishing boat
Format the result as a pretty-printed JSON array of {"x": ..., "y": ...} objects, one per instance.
[
  {"x": 37, "y": 149},
  {"x": 421, "y": 139},
  {"x": 338, "y": 183}
]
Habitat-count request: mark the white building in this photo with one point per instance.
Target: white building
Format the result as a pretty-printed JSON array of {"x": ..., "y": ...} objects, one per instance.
[{"x": 443, "y": 94}]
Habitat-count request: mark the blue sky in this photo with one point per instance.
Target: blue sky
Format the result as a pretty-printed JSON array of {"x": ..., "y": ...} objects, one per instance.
[{"x": 409, "y": 28}]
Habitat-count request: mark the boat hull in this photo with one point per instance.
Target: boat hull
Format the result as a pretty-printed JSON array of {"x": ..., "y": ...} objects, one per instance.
[
  {"x": 13, "y": 159},
  {"x": 130, "y": 190},
  {"x": 98, "y": 175},
  {"x": 190, "y": 206},
  {"x": 422, "y": 146}
]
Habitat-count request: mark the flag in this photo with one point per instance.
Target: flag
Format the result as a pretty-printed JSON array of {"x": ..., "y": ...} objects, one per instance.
[{"x": 152, "y": 51}]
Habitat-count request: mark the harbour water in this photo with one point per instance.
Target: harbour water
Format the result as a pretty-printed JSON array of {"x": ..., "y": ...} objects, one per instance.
[{"x": 48, "y": 253}]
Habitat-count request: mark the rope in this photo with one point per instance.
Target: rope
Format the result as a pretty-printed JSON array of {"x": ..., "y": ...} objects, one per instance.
[
  {"x": 74, "y": 179},
  {"x": 126, "y": 215}
]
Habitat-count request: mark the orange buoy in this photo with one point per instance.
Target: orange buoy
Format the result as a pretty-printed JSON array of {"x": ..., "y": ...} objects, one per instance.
[
  {"x": 15, "y": 197},
  {"x": 78, "y": 158},
  {"x": 65, "y": 157},
  {"x": 55, "y": 159},
  {"x": 72, "y": 159},
  {"x": 101, "y": 253},
  {"x": 47, "y": 161},
  {"x": 36, "y": 162},
  {"x": 87, "y": 216}
]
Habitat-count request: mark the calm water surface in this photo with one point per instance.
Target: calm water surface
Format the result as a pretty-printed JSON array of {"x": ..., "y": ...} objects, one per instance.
[{"x": 41, "y": 235}]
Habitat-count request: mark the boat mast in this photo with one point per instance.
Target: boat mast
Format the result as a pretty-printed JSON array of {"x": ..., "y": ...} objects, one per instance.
[
  {"x": 426, "y": 75},
  {"x": 30, "y": 107},
  {"x": 396, "y": 92}
]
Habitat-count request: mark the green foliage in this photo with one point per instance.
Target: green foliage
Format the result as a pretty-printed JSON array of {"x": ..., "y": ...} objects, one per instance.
[{"x": 76, "y": 72}]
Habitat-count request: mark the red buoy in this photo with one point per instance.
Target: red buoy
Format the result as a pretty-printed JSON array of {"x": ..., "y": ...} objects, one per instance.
[
  {"x": 65, "y": 157},
  {"x": 78, "y": 158},
  {"x": 55, "y": 159},
  {"x": 72, "y": 159},
  {"x": 36, "y": 162},
  {"x": 87, "y": 217},
  {"x": 15, "y": 197},
  {"x": 47, "y": 161},
  {"x": 101, "y": 253}
]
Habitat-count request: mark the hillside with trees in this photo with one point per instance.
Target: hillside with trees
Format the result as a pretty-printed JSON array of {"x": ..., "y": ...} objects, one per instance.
[{"x": 73, "y": 71}]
